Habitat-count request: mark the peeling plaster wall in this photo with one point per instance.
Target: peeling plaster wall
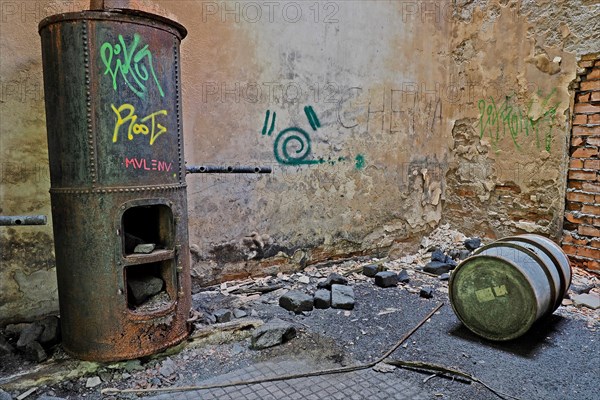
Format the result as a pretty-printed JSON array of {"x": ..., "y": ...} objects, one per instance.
[{"x": 420, "y": 113}]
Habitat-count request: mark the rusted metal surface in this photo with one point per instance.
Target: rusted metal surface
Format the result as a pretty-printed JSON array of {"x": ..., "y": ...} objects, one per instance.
[
  {"x": 231, "y": 169},
  {"x": 113, "y": 112},
  {"x": 23, "y": 220}
]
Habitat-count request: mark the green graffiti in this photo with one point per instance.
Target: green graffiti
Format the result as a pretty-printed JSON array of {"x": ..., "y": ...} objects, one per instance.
[
  {"x": 129, "y": 63},
  {"x": 313, "y": 120},
  {"x": 360, "y": 161},
  {"x": 497, "y": 122}
]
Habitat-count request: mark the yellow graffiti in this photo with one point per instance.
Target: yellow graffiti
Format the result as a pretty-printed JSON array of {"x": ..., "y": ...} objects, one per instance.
[{"x": 153, "y": 128}]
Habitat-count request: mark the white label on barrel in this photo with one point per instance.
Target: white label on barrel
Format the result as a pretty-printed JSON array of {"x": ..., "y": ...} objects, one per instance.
[{"x": 489, "y": 294}]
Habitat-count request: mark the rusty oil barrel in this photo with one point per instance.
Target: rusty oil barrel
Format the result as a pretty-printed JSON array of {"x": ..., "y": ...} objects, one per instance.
[
  {"x": 500, "y": 291},
  {"x": 115, "y": 143}
]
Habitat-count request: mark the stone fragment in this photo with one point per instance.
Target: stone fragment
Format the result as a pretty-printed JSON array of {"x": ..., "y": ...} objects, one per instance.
[
  {"x": 403, "y": 276},
  {"x": 223, "y": 315},
  {"x": 436, "y": 267},
  {"x": 342, "y": 297},
  {"x": 143, "y": 287},
  {"x": 46, "y": 397},
  {"x": 30, "y": 334},
  {"x": 579, "y": 289},
  {"x": 438, "y": 255},
  {"x": 34, "y": 352},
  {"x": 444, "y": 277},
  {"x": 370, "y": 270},
  {"x": 238, "y": 313},
  {"x": 453, "y": 253},
  {"x": 589, "y": 300},
  {"x": 463, "y": 254},
  {"x": 167, "y": 368},
  {"x": 5, "y": 347},
  {"x": 273, "y": 333},
  {"x": 296, "y": 301},
  {"x": 472, "y": 243},
  {"x": 426, "y": 292},
  {"x": 386, "y": 279},
  {"x": 15, "y": 329},
  {"x": 304, "y": 279},
  {"x": 4, "y": 395},
  {"x": 93, "y": 382},
  {"x": 145, "y": 248},
  {"x": 322, "y": 299},
  {"x": 450, "y": 262},
  {"x": 333, "y": 279},
  {"x": 51, "y": 332}
]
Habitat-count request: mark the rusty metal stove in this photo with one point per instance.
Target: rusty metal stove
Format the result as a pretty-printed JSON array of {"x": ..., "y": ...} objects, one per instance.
[{"x": 113, "y": 111}]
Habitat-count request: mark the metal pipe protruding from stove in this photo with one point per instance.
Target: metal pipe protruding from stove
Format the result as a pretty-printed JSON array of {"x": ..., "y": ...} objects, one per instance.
[
  {"x": 219, "y": 169},
  {"x": 23, "y": 220}
]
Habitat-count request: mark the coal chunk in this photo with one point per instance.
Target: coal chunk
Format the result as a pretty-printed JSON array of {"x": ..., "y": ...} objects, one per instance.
[
  {"x": 426, "y": 292},
  {"x": 296, "y": 301},
  {"x": 143, "y": 287},
  {"x": 322, "y": 299},
  {"x": 437, "y": 267},
  {"x": 403, "y": 276},
  {"x": 438, "y": 255},
  {"x": 223, "y": 315},
  {"x": 386, "y": 279},
  {"x": 342, "y": 297},
  {"x": 472, "y": 243},
  {"x": 273, "y": 333},
  {"x": 370, "y": 270},
  {"x": 333, "y": 279}
]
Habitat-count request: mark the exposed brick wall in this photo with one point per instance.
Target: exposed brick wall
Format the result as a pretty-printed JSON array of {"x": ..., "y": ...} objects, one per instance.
[{"x": 581, "y": 239}]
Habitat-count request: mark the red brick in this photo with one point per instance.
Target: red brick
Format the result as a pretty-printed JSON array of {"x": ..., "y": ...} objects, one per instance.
[
  {"x": 594, "y": 74},
  {"x": 588, "y": 252},
  {"x": 588, "y": 230},
  {"x": 585, "y": 152},
  {"x": 576, "y": 220},
  {"x": 585, "y": 108},
  {"x": 586, "y": 130},
  {"x": 591, "y": 164},
  {"x": 589, "y": 85},
  {"x": 586, "y": 186},
  {"x": 590, "y": 209},
  {"x": 580, "y": 197},
  {"x": 576, "y": 163},
  {"x": 595, "y": 97},
  {"x": 573, "y": 206},
  {"x": 593, "y": 265},
  {"x": 580, "y": 119},
  {"x": 583, "y": 98},
  {"x": 597, "y": 63},
  {"x": 569, "y": 249},
  {"x": 586, "y": 63},
  {"x": 569, "y": 238},
  {"x": 593, "y": 119},
  {"x": 595, "y": 243},
  {"x": 593, "y": 141}
]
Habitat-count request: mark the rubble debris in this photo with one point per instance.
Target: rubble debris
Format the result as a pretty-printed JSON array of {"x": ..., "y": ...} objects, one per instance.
[
  {"x": 370, "y": 270},
  {"x": 5, "y": 348},
  {"x": 51, "y": 333},
  {"x": 143, "y": 287},
  {"x": 437, "y": 267},
  {"x": 144, "y": 248},
  {"x": 426, "y": 292},
  {"x": 93, "y": 382},
  {"x": 223, "y": 315},
  {"x": 342, "y": 297},
  {"x": 472, "y": 243},
  {"x": 167, "y": 368},
  {"x": 296, "y": 301},
  {"x": 322, "y": 299},
  {"x": 34, "y": 351},
  {"x": 403, "y": 276},
  {"x": 386, "y": 279},
  {"x": 589, "y": 300},
  {"x": 333, "y": 279},
  {"x": 30, "y": 334},
  {"x": 273, "y": 333},
  {"x": 239, "y": 313}
]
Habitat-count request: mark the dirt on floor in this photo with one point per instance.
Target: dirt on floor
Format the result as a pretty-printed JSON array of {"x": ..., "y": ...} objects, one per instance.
[{"x": 559, "y": 358}]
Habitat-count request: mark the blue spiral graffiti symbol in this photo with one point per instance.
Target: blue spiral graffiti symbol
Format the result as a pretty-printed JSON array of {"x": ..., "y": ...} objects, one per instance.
[{"x": 296, "y": 141}]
